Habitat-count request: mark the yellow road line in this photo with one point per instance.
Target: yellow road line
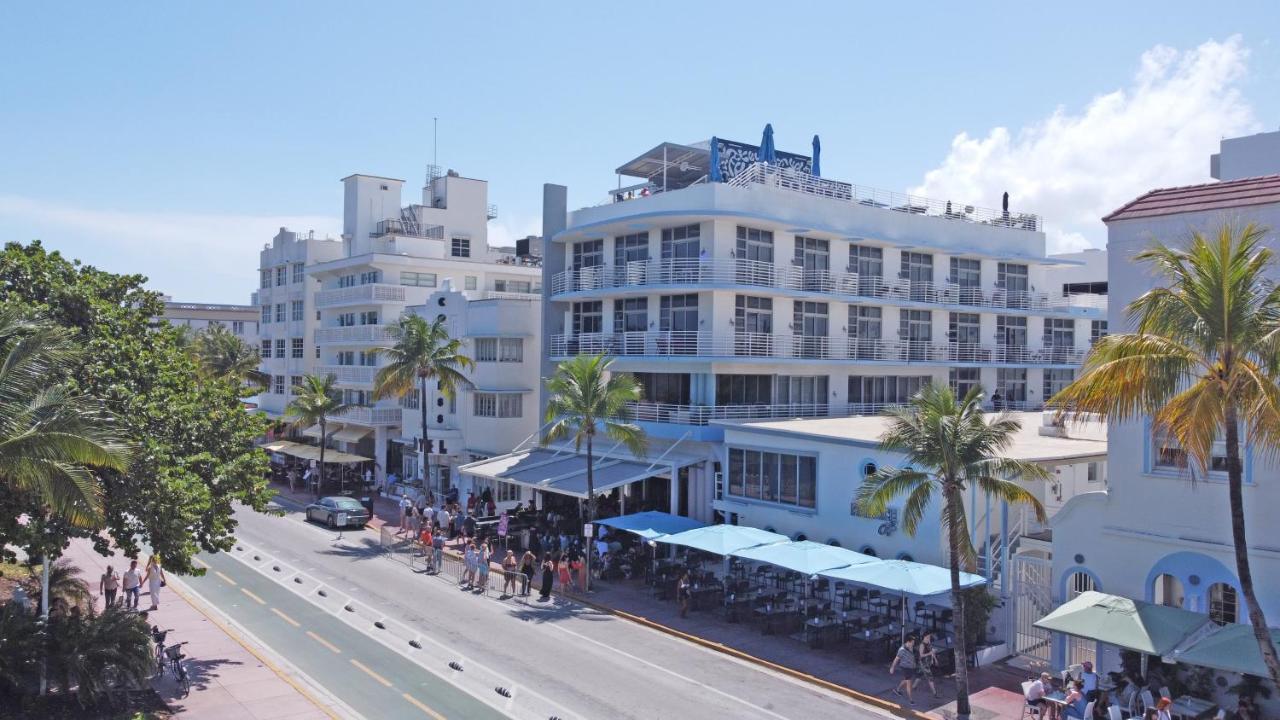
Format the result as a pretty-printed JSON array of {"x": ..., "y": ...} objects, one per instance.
[
  {"x": 255, "y": 597},
  {"x": 417, "y": 703},
  {"x": 324, "y": 642},
  {"x": 371, "y": 673},
  {"x": 201, "y": 563},
  {"x": 224, "y": 577},
  {"x": 286, "y": 618}
]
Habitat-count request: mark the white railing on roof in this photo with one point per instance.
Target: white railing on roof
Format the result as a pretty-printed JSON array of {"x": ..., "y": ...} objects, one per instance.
[
  {"x": 371, "y": 293},
  {"x": 790, "y": 179},
  {"x": 734, "y": 271},
  {"x": 764, "y": 345}
]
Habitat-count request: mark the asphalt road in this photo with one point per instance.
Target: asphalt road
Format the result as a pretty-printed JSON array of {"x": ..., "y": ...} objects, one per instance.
[{"x": 561, "y": 661}]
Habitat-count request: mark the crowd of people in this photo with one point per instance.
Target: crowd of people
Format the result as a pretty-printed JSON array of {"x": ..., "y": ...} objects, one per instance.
[{"x": 131, "y": 581}]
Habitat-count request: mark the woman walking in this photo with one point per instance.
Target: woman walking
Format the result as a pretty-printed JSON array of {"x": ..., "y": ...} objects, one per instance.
[
  {"x": 527, "y": 562},
  {"x": 548, "y": 574},
  {"x": 928, "y": 660},
  {"x": 482, "y": 565},
  {"x": 509, "y": 574},
  {"x": 155, "y": 581},
  {"x": 566, "y": 578}
]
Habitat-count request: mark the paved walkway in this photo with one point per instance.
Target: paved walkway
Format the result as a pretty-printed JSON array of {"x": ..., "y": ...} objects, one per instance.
[{"x": 227, "y": 679}]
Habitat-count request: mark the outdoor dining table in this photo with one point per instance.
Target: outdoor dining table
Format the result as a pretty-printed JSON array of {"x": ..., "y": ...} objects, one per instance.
[
  {"x": 1187, "y": 706},
  {"x": 817, "y": 629},
  {"x": 772, "y": 616}
]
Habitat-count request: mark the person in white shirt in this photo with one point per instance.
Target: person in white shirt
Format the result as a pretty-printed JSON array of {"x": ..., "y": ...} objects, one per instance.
[
  {"x": 1036, "y": 692},
  {"x": 405, "y": 505},
  {"x": 1089, "y": 677},
  {"x": 131, "y": 581}
]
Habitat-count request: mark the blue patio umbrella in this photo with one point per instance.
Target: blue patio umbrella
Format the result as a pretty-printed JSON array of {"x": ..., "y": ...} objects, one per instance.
[
  {"x": 715, "y": 160},
  {"x": 767, "y": 153},
  {"x": 817, "y": 150}
]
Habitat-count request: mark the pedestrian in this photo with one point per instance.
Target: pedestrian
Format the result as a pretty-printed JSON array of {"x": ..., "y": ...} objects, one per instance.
[
  {"x": 509, "y": 573},
  {"x": 442, "y": 518},
  {"x": 155, "y": 581},
  {"x": 437, "y": 550},
  {"x": 415, "y": 522},
  {"x": 527, "y": 561},
  {"x": 483, "y": 559},
  {"x": 928, "y": 661},
  {"x": 405, "y": 504},
  {"x": 132, "y": 583},
  {"x": 566, "y": 578},
  {"x": 682, "y": 593},
  {"x": 468, "y": 563},
  {"x": 108, "y": 585},
  {"x": 905, "y": 659},
  {"x": 548, "y": 574},
  {"x": 424, "y": 542}
]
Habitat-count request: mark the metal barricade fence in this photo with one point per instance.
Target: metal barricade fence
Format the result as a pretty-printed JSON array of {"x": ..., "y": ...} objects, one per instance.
[{"x": 411, "y": 552}]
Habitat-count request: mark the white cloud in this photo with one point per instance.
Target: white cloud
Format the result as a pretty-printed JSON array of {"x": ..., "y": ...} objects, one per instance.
[
  {"x": 195, "y": 257},
  {"x": 503, "y": 232},
  {"x": 1075, "y": 167}
]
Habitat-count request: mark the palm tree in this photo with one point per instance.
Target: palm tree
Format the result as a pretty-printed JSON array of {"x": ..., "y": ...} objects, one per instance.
[
  {"x": 422, "y": 352},
  {"x": 1203, "y": 363},
  {"x": 585, "y": 398},
  {"x": 314, "y": 402},
  {"x": 50, "y": 437},
  {"x": 65, "y": 585},
  {"x": 97, "y": 651},
  {"x": 948, "y": 446},
  {"x": 224, "y": 355}
]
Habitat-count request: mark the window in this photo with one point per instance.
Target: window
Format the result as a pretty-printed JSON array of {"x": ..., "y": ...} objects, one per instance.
[
  {"x": 499, "y": 405},
  {"x": 964, "y": 334},
  {"x": 1097, "y": 331},
  {"x": 298, "y": 273},
  {"x": 773, "y": 477},
  {"x": 1167, "y": 454},
  {"x": 265, "y": 277},
  {"x": 282, "y": 275},
  {"x": 280, "y": 348},
  {"x": 630, "y": 248},
  {"x": 1223, "y": 604},
  {"x": 915, "y": 327},
  {"x": 588, "y": 317},
  {"x": 514, "y": 286},
  {"x": 873, "y": 392},
  {"x": 266, "y": 313},
  {"x": 666, "y": 388},
  {"x": 317, "y": 352},
  {"x": 1094, "y": 473},
  {"x": 410, "y": 399},
  {"x": 347, "y": 319},
  {"x": 506, "y": 492},
  {"x": 279, "y": 312},
  {"x": 368, "y": 358},
  {"x": 295, "y": 348},
  {"x": 418, "y": 279},
  {"x": 1011, "y": 384},
  {"x": 966, "y": 272},
  {"x": 868, "y": 263},
  {"x": 1079, "y": 583},
  {"x": 1059, "y": 333},
  {"x": 809, "y": 326},
  {"x": 754, "y": 245},
  {"x": 588, "y": 253},
  {"x": 370, "y": 276},
  {"x": 963, "y": 380},
  {"x": 1167, "y": 590},
  {"x": 369, "y": 317},
  {"x": 346, "y": 357},
  {"x": 744, "y": 389},
  {"x": 486, "y": 350},
  {"x": 277, "y": 384},
  {"x": 469, "y": 283},
  {"x": 808, "y": 390},
  {"x": 266, "y": 350},
  {"x": 1056, "y": 380},
  {"x": 678, "y": 313},
  {"x": 460, "y": 247},
  {"x": 295, "y": 310},
  {"x": 346, "y": 281},
  {"x": 1085, "y": 288},
  {"x": 511, "y": 350},
  {"x": 237, "y": 327},
  {"x": 917, "y": 267}
]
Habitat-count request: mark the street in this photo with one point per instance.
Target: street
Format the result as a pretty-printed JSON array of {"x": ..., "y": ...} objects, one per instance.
[{"x": 320, "y": 608}]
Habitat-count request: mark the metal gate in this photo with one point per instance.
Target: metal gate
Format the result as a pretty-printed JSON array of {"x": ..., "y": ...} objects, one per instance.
[
  {"x": 1079, "y": 649},
  {"x": 1032, "y": 600}
]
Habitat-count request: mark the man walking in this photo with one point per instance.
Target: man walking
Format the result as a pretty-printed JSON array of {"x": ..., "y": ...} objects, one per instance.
[
  {"x": 437, "y": 550},
  {"x": 132, "y": 582},
  {"x": 905, "y": 659},
  {"x": 108, "y": 585}
]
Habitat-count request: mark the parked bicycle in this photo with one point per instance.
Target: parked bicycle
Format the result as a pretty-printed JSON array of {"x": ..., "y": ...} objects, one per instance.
[
  {"x": 176, "y": 667},
  {"x": 158, "y": 637}
]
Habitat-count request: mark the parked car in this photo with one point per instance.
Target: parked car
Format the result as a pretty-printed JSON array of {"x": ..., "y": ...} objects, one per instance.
[{"x": 338, "y": 511}]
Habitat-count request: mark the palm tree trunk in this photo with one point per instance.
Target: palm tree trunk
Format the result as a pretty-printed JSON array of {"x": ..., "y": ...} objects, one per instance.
[
  {"x": 1235, "y": 484},
  {"x": 426, "y": 447},
  {"x": 320, "y": 482},
  {"x": 961, "y": 642},
  {"x": 591, "y": 509}
]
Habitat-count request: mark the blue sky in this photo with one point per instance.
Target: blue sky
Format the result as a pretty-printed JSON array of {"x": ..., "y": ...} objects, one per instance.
[{"x": 171, "y": 139}]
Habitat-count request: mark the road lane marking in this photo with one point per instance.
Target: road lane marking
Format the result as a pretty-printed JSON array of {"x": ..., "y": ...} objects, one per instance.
[
  {"x": 370, "y": 673},
  {"x": 200, "y": 562},
  {"x": 224, "y": 577},
  {"x": 418, "y": 704},
  {"x": 286, "y": 618},
  {"x": 255, "y": 597},
  {"x": 324, "y": 642}
]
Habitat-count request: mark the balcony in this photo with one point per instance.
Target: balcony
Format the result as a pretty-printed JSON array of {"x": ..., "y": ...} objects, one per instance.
[
  {"x": 760, "y": 345},
  {"x": 705, "y": 414},
  {"x": 357, "y": 334},
  {"x": 371, "y": 416},
  {"x": 751, "y": 273},
  {"x": 349, "y": 374},
  {"x": 407, "y": 226},
  {"x": 360, "y": 295}
]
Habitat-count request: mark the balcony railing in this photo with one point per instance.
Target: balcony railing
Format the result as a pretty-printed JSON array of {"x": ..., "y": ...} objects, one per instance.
[
  {"x": 373, "y": 416},
  {"x": 407, "y": 227},
  {"x": 802, "y": 182},
  {"x": 704, "y": 414},
  {"x": 354, "y": 334},
  {"x": 349, "y": 374},
  {"x": 736, "y": 271},
  {"x": 371, "y": 293},
  {"x": 761, "y": 345}
]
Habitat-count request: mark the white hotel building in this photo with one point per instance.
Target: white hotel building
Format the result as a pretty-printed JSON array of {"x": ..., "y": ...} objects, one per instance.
[
  {"x": 736, "y": 291},
  {"x": 391, "y": 258}
]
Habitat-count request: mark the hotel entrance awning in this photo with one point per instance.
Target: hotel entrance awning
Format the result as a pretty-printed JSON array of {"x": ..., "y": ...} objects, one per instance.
[
  {"x": 351, "y": 433},
  {"x": 562, "y": 472}
]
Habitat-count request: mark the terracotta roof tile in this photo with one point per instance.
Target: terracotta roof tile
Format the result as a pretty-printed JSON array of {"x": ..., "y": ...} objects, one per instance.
[{"x": 1196, "y": 198}]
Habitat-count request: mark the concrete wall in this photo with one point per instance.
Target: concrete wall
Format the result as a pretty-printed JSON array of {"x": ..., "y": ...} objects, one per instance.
[{"x": 1248, "y": 156}]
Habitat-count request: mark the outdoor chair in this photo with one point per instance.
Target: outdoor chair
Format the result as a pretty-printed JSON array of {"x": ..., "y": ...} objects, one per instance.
[
  {"x": 920, "y": 612},
  {"x": 1028, "y": 710},
  {"x": 1114, "y": 712},
  {"x": 1088, "y": 709},
  {"x": 859, "y": 598}
]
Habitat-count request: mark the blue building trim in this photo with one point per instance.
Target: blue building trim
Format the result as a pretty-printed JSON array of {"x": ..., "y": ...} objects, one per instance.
[
  {"x": 1060, "y": 640},
  {"x": 1186, "y": 565}
]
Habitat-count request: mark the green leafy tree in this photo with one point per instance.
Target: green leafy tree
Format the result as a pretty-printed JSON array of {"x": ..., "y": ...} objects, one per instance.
[
  {"x": 94, "y": 651},
  {"x": 585, "y": 399},
  {"x": 314, "y": 402},
  {"x": 224, "y": 355},
  {"x": 51, "y": 438},
  {"x": 949, "y": 445},
  {"x": 195, "y": 454},
  {"x": 423, "y": 353},
  {"x": 1203, "y": 364}
]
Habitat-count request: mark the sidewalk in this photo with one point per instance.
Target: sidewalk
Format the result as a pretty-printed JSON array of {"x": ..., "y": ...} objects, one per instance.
[{"x": 227, "y": 679}]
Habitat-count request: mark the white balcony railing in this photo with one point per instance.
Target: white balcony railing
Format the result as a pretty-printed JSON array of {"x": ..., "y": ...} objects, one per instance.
[
  {"x": 373, "y": 416},
  {"x": 349, "y": 374},
  {"x": 704, "y": 414},
  {"x": 705, "y": 344},
  {"x": 354, "y": 334},
  {"x": 371, "y": 293},
  {"x": 735, "y": 271}
]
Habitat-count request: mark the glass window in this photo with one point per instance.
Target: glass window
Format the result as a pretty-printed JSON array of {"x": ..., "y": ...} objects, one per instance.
[
  {"x": 485, "y": 404},
  {"x": 773, "y": 477},
  {"x": 588, "y": 317},
  {"x": 1097, "y": 330},
  {"x": 460, "y": 247},
  {"x": 486, "y": 350},
  {"x": 295, "y": 348},
  {"x": 510, "y": 405},
  {"x": 631, "y": 315},
  {"x": 295, "y": 381},
  {"x": 277, "y": 384},
  {"x": 515, "y": 286},
  {"x": 737, "y": 471},
  {"x": 1223, "y": 604},
  {"x": 295, "y": 310},
  {"x": 470, "y": 282},
  {"x": 418, "y": 279},
  {"x": 266, "y": 349},
  {"x": 370, "y": 276},
  {"x": 966, "y": 272},
  {"x": 679, "y": 313},
  {"x": 299, "y": 272},
  {"x": 917, "y": 267},
  {"x": 280, "y": 348},
  {"x": 282, "y": 275},
  {"x": 1167, "y": 590},
  {"x": 744, "y": 389},
  {"x": 963, "y": 380},
  {"x": 1055, "y": 380},
  {"x": 669, "y": 388},
  {"x": 588, "y": 253},
  {"x": 279, "y": 312},
  {"x": 265, "y": 277},
  {"x": 754, "y": 245},
  {"x": 266, "y": 313},
  {"x": 873, "y": 392},
  {"x": 511, "y": 350},
  {"x": 237, "y": 327},
  {"x": 630, "y": 248}
]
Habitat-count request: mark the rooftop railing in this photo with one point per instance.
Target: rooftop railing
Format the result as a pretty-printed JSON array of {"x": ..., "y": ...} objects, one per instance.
[
  {"x": 407, "y": 227},
  {"x": 735, "y": 271},
  {"x": 371, "y": 416},
  {"x": 796, "y": 181},
  {"x": 684, "y": 414}
]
